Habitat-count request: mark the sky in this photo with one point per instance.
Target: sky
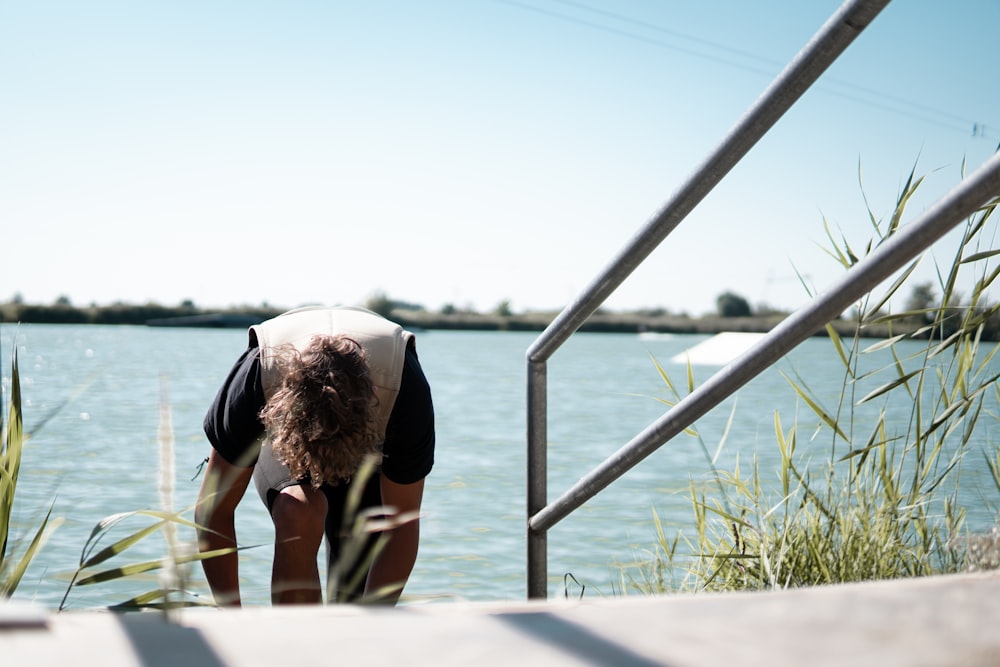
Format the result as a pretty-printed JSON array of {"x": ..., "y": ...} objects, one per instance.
[{"x": 463, "y": 152}]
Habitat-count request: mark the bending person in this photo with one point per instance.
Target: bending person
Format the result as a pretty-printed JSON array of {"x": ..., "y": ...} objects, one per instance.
[{"x": 317, "y": 392}]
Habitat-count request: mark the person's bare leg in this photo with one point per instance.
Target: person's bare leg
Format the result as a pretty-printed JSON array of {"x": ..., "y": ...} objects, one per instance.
[{"x": 299, "y": 515}]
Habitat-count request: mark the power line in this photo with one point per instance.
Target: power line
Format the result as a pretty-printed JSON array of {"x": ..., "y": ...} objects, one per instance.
[
  {"x": 639, "y": 38},
  {"x": 766, "y": 67},
  {"x": 962, "y": 122},
  {"x": 673, "y": 33}
]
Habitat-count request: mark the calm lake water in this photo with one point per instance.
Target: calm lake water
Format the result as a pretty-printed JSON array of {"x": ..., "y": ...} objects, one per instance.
[{"x": 92, "y": 394}]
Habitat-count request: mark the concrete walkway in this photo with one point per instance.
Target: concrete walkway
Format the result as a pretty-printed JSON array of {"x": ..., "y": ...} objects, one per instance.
[{"x": 936, "y": 621}]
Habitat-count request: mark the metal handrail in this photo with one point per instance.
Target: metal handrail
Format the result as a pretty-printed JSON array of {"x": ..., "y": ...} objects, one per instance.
[
  {"x": 902, "y": 247},
  {"x": 828, "y": 43}
]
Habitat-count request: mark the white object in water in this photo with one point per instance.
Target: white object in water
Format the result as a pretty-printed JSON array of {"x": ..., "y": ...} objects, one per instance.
[
  {"x": 655, "y": 335},
  {"x": 718, "y": 350}
]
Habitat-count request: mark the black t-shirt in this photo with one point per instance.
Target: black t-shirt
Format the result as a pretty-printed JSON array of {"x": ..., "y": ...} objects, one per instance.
[{"x": 233, "y": 426}]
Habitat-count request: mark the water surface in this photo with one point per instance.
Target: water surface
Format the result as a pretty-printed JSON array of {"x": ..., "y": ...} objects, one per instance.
[{"x": 92, "y": 394}]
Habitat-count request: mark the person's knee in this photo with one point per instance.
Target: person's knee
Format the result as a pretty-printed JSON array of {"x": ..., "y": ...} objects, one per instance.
[{"x": 299, "y": 512}]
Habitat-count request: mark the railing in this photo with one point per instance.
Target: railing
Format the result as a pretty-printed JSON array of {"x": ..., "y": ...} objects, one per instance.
[{"x": 831, "y": 40}]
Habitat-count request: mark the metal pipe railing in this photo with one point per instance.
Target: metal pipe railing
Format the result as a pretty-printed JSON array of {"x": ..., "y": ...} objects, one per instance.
[
  {"x": 888, "y": 258},
  {"x": 828, "y": 43}
]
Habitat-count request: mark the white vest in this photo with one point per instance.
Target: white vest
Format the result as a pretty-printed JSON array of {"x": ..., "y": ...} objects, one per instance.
[{"x": 384, "y": 343}]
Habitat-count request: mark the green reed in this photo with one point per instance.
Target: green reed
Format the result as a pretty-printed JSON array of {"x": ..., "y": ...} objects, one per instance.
[
  {"x": 884, "y": 503},
  {"x": 12, "y": 439}
]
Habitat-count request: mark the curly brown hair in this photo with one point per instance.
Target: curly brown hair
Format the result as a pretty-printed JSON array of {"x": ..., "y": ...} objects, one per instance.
[{"x": 321, "y": 418}]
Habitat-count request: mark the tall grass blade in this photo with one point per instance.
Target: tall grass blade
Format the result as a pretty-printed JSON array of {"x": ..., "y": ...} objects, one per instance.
[
  {"x": 844, "y": 259},
  {"x": 885, "y": 343},
  {"x": 11, "y": 579},
  {"x": 908, "y": 191},
  {"x": 151, "y": 601},
  {"x": 891, "y": 292},
  {"x": 10, "y": 457},
  {"x": 11, "y": 450},
  {"x": 889, "y": 386},
  {"x": 979, "y": 256},
  {"x": 690, "y": 430},
  {"x": 994, "y": 467},
  {"x": 839, "y": 346},
  {"x": 107, "y": 523},
  {"x": 172, "y": 577},
  {"x": 815, "y": 407},
  {"x": 147, "y": 566},
  {"x": 121, "y": 545}
]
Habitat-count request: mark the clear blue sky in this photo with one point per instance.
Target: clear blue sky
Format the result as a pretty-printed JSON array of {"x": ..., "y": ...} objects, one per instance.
[{"x": 459, "y": 151}]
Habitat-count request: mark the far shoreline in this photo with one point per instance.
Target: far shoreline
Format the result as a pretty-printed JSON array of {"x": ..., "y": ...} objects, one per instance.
[{"x": 653, "y": 321}]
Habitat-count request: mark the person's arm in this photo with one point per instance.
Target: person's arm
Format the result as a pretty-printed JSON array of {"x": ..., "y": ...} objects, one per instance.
[
  {"x": 392, "y": 568},
  {"x": 221, "y": 490}
]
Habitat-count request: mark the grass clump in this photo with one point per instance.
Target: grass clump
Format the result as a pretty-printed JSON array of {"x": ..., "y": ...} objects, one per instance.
[{"x": 883, "y": 500}]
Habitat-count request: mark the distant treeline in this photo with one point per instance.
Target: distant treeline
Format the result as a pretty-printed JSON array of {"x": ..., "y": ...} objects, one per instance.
[
  {"x": 651, "y": 321},
  {"x": 187, "y": 314},
  {"x": 62, "y": 312}
]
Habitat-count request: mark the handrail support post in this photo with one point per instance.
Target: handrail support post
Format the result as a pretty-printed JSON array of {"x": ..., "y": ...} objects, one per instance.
[{"x": 537, "y": 482}]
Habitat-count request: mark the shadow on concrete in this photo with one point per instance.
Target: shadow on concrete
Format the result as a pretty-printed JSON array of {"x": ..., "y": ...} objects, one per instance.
[
  {"x": 159, "y": 643},
  {"x": 575, "y": 640}
]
